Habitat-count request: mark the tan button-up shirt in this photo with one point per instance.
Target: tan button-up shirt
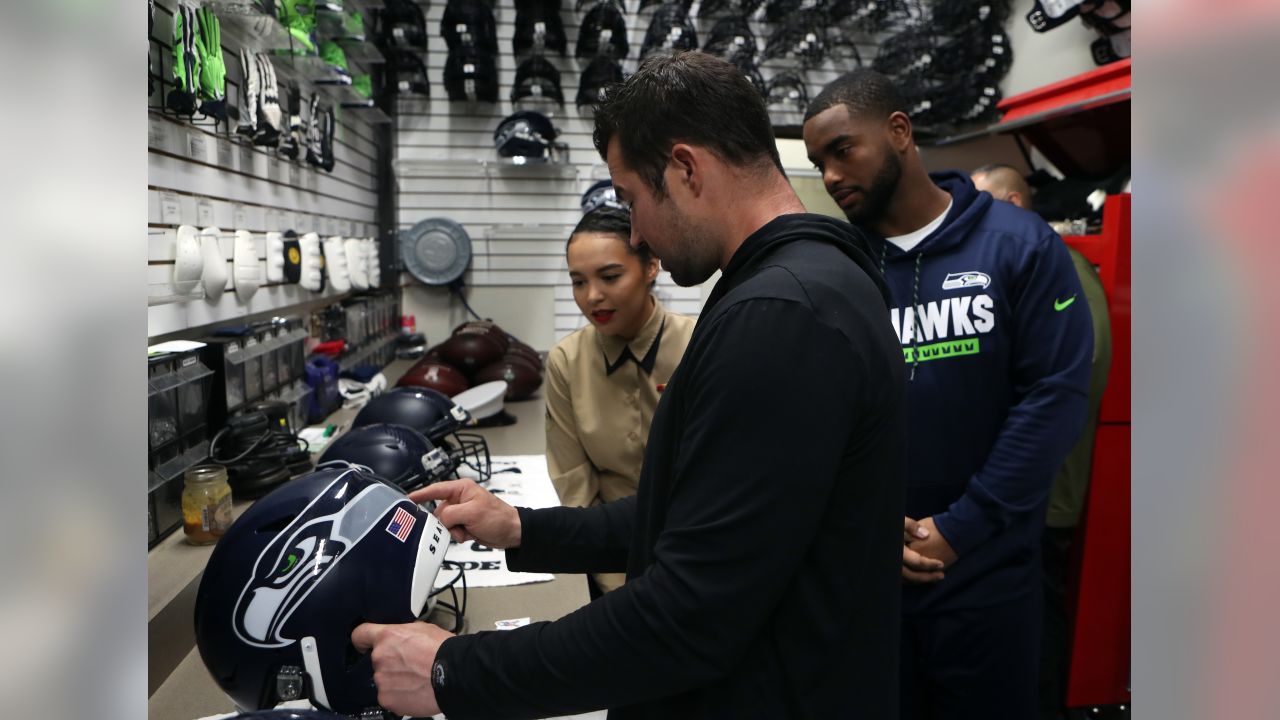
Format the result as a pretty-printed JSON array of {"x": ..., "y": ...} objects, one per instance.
[{"x": 600, "y": 403}]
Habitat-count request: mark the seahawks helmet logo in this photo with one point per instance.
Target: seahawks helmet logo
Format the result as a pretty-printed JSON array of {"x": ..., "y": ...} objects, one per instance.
[{"x": 302, "y": 554}]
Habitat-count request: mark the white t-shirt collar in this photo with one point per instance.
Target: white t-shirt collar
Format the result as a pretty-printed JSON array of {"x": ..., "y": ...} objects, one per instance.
[{"x": 912, "y": 239}]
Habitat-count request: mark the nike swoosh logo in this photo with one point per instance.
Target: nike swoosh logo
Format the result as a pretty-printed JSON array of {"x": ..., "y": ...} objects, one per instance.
[{"x": 1061, "y": 305}]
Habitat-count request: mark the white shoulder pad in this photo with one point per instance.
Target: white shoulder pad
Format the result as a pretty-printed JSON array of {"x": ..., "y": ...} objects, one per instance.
[
  {"x": 188, "y": 263},
  {"x": 275, "y": 257},
  {"x": 214, "y": 277},
  {"x": 247, "y": 271},
  {"x": 357, "y": 263},
  {"x": 335, "y": 263},
  {"x": 375, "y": 263},
  {"x": 311, "y": 268}
]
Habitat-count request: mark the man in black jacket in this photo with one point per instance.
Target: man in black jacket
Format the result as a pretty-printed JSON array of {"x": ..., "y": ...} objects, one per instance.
[{"x": 762, "y": 550}]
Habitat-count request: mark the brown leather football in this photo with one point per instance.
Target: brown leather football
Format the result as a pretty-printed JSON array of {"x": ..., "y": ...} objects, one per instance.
[
  {"x": 470, "y": 351},
  {"x": 516, "y": 342},
  {"x": 435, "y": 375},
  {"x": 523, "y": 379},
  {"x": 527, "y": 353},
  {"x": 484, "y": 327}
]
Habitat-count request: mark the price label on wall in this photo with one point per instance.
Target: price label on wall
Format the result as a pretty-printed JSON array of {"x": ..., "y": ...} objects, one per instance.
[
  {"x": 170, "y": 209},
  {"x": 198, "y": 146},
  {"x": 273, "y": 220},
  {"x": 156, "y": 134},
  {"x": 204, "y": 212},
  {"x": 240, "y": 216},
  {"x": 295, "y": 174},
  {"x": 226, "y": 157}
]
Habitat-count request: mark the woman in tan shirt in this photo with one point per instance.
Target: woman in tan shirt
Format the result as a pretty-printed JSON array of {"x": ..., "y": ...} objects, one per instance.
[{"x": 604, "y": 380}]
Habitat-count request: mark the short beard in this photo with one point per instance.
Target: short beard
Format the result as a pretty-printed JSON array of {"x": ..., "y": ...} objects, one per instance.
[
  {"x": 694, "y": 255},
  {"x": 872, "y": 210}
]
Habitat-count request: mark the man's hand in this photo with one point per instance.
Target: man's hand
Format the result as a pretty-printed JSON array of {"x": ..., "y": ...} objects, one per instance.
[
  {"x": 916, "y": 566},
  {"x": 472, "y": 513},
  {"x": 402, "y": 658},
  {"x": 935, "y": 545}
]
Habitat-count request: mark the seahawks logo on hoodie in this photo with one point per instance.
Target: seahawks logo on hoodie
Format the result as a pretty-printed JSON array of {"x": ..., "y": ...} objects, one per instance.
[{"x": 960, "y": 280}]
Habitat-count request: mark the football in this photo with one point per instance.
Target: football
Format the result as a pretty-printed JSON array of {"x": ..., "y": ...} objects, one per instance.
[
  {"x": 435, "y": 375},
  {"x": 523, "y": 377},
  {"x": 470, "y": 351}
]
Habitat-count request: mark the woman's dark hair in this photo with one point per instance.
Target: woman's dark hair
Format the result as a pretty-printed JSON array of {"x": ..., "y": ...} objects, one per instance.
[{"x": 611, "y": 221}]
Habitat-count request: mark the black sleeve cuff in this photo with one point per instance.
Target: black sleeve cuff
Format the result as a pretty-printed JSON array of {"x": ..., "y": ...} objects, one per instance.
[
  {"x": 516, "y": 560},
  {"x": 441, "y": 669}
]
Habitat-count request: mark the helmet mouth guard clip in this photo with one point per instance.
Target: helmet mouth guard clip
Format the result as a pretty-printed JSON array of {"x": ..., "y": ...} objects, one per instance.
[{"x": 434, "y": 460}]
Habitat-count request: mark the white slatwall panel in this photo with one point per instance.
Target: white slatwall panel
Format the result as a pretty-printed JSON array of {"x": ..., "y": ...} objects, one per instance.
[{"x": 199, "y": 175}]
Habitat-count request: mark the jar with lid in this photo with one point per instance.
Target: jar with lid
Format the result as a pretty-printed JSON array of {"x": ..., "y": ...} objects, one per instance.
[{"x": 206, "y": 504}]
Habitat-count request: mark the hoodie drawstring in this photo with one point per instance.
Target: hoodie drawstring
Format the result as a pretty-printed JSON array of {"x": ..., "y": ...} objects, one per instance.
[{"x": 916, "y": 326}]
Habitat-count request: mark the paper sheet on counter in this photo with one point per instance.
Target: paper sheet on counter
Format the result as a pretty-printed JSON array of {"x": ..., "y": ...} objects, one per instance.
[{"x": 520, "y": 480}]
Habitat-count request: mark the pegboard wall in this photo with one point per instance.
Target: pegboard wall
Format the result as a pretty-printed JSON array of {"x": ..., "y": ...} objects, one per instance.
[
  {"x": 201, "y": 173},
  {"x": 519, "y": 217}
]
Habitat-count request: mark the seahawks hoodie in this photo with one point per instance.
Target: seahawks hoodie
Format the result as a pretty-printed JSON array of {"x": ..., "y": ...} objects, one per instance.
[{"x": 997, "y": 341}]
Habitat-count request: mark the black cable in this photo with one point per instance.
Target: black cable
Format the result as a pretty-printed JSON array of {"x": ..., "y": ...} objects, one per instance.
[
  {"x": 258, "y": 457},
  {"x": 456, "y": 288}
]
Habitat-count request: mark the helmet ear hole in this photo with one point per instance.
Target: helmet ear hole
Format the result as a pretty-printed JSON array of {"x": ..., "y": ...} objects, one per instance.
[{"x": 353, "y": 656}]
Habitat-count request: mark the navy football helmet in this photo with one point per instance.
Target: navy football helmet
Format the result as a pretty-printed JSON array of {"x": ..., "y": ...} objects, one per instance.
[
  {"x": 436, "y": 416},
  {"x": 297, "y": 572},
  {"x": 393, "y": 452}
]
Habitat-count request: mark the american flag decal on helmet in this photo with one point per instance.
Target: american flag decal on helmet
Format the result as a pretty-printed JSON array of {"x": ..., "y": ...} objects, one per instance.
[{"x": 401, "y": 524}]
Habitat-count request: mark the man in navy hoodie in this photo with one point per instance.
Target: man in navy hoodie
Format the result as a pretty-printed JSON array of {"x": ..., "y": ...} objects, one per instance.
[
  {"x": 761, "y": 549},
  {"x": 997, "y": 343}
]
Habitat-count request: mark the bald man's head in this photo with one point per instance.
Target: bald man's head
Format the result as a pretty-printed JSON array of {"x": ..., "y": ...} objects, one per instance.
[{"x": 1004, "y": 183}]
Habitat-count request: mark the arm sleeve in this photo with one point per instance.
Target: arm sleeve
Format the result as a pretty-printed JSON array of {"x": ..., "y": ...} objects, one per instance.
[
  {"x": 1052, "y": 352},
  {"x": 572, "y": 473},
  {"x": 749, "y": 487},
  {"x": 574, "y": 540}
]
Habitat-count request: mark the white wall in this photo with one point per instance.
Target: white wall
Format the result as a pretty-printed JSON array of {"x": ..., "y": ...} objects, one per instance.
[{"x": 1043, "y": 58}]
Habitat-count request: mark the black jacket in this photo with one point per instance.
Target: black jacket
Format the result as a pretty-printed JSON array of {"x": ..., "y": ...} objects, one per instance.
[{"x": 763, "y": 549}]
